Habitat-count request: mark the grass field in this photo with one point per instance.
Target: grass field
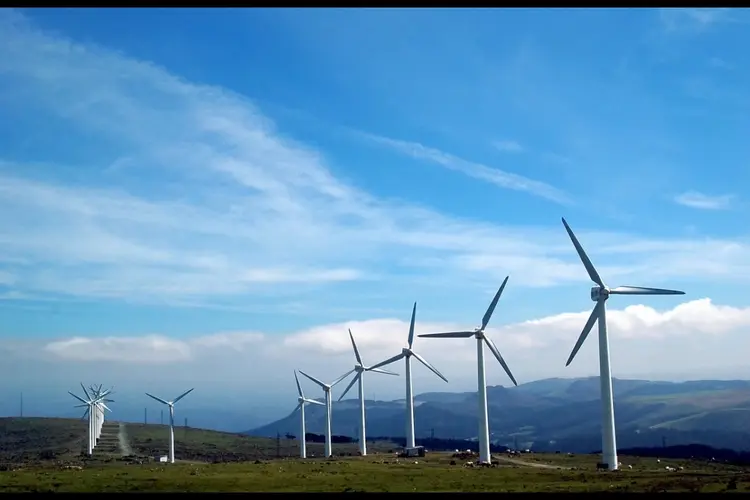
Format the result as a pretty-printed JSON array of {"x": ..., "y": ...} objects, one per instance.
[{"x": 250, "y": 465}]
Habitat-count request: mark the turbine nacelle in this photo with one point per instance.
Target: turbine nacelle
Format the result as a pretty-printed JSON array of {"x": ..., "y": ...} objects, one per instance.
[
  {"x": 599, "y": 293},
  {"x": 405, "y": 351}
]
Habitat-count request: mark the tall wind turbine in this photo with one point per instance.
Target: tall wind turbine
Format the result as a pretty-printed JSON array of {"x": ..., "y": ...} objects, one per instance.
[
  {"x": 407, "y": 354},
  {"x": 600, "y": 294},
  {"x": 327, "y": 389},
  {"x": 360, "y": 368},
  {"x": 302, "y": 400},
  {"x": 90, "y": 403},
  {"x": 100, "y": 407},
  {"x": 484, "y": 426},
  {"x": 171, "y": 419}
]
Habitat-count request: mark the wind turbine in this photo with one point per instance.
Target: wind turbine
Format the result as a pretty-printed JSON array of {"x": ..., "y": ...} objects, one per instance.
[
  {"x": 327, "y": 389},
  {"x": 171, "y": 419},
  {"x": 360, "y": 368},
  {"x": 407, "y": 354},
  {"x": 99, "y": 415},
  {"x": 484, "y": 426},
  {"x": 302, "y": 400},
  {"x": 90, "y": 404},
  {"x": 600, "y": 294}
]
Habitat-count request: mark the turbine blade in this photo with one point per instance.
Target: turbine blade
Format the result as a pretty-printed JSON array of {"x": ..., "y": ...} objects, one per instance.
[
  {"x": 428, "y": 365},
  {"x": 314, "y": 402},
  {"x": 182, "y": 395},
  {"x": 85, "y": 392},
  {"x": 584, "y": 258},
  {"x": 106, "y": 407},
  {"x": 449, "y": 335},
  {"x": 299, "y": 405},
  {"x": 299, "y": 387},
  {"x": 79, "y": 399},
  {"x": 496, "y": 352},
  {"x": 342, "y": 377},
  {"x": 639, "y": 290},
  {"x": 411, "y": 325},
  {"x": 585, "y": 333},
  {"x": 158, "y": 399},
  {"x": 85, "y": 413},
  {"x": 379, "y": 370},
  {"x": 81, "y": 406},
  {"x": 351, "y": 384},
  {"x": 356, "y": 351},
  {"x": 321, "y": 384},
  {"x": 387, "y": 361},
  {"x": 493, "y": 304}
]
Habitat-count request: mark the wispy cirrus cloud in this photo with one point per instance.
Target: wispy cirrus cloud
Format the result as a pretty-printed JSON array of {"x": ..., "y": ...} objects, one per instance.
[
  {"x": 499, "y": 178},
  {"x": 694, "y": 199},
  {"x": 508, "y": 146},
  {"x": 213, "y": 201},
  {"x": 696, "y": 19}
]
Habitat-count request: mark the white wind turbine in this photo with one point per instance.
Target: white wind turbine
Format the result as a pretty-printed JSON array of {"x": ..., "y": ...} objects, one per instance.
[
  {"x": 407, "y": 354},
  {"x": 360, "y": 369},
  {"x": 327, "y": 390},
  {"x": 600, "y": 294},
  {"x": 302, "y": 400},
  {"x": 99, "y": 415},
  {"x": 171, "y": 419},
  {"x": 91, "y": 409},
  {"x": 484, "y": 427}
]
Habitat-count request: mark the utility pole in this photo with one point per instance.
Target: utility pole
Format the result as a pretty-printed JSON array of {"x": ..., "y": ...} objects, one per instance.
[
  {"x": 145, "y": 416},
  {"x": 162, "y": 417},
  {"x": 278, "y": 445},
  {"x": 22, "y": 405},
  {"x": 185, "y": 433},
  {"x": 432, "y": 433}
]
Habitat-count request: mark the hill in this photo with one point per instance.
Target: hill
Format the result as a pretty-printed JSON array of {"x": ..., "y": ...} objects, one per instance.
[
  {"x": 558, "y": 413},
  {"x": 29, "y": 440}
]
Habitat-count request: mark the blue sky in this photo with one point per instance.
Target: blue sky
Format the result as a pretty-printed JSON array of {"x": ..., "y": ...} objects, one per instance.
[{"x": 255, "y": 181}]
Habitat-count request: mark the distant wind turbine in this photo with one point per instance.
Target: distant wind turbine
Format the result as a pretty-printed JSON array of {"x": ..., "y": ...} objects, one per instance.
[
  {"x": 90, "y": 404},
  {"x": 302, "y": 400},
  {"x": 600, "y": 294},
  {"x": 360, "y": 369},
  {"x": 171, "y": 404},
  {"x": 407, "y": 354},
  {"x": 327, "y": 390},
  {"x": 484, "y": 427}
]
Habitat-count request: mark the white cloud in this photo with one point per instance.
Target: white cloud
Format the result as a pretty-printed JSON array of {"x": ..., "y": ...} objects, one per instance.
[
  {"x": 695, "y": 19},
  {"x": 690, "y": 336},
  {"x": 494, "y": 176},
  {"x": 694, "y": 199},
  {"x": 508, "y": 146}
]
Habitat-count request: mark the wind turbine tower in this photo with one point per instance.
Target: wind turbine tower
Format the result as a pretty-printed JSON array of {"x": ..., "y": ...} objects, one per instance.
[
  {"x": 479, "y": 335},
  {"x": 171, "y": 404},
  {"x": 91, "y": 407},
  {"x": 407, "y": 353},
  {"x": 327, "y": 390},
  {"x": 599, "y": 294},
  {"x": 302, "y": 400},
  {"x": 360, "y": 369}
]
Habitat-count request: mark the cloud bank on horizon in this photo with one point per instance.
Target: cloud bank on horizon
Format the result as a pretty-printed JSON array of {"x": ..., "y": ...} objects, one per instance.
[{"x": 224, "y": 208}]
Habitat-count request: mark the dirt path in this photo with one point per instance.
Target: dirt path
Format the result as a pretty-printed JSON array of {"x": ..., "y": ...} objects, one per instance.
[
  {"x": 122, "y": 436},
  {"x": 527, "y": 464}
]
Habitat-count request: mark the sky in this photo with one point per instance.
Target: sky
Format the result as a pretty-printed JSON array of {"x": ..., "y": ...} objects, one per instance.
[{"x": 211, "y": 198}]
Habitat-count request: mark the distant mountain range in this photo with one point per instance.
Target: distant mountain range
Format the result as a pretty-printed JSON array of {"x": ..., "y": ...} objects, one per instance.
[{"x": 558, "y": 414}]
